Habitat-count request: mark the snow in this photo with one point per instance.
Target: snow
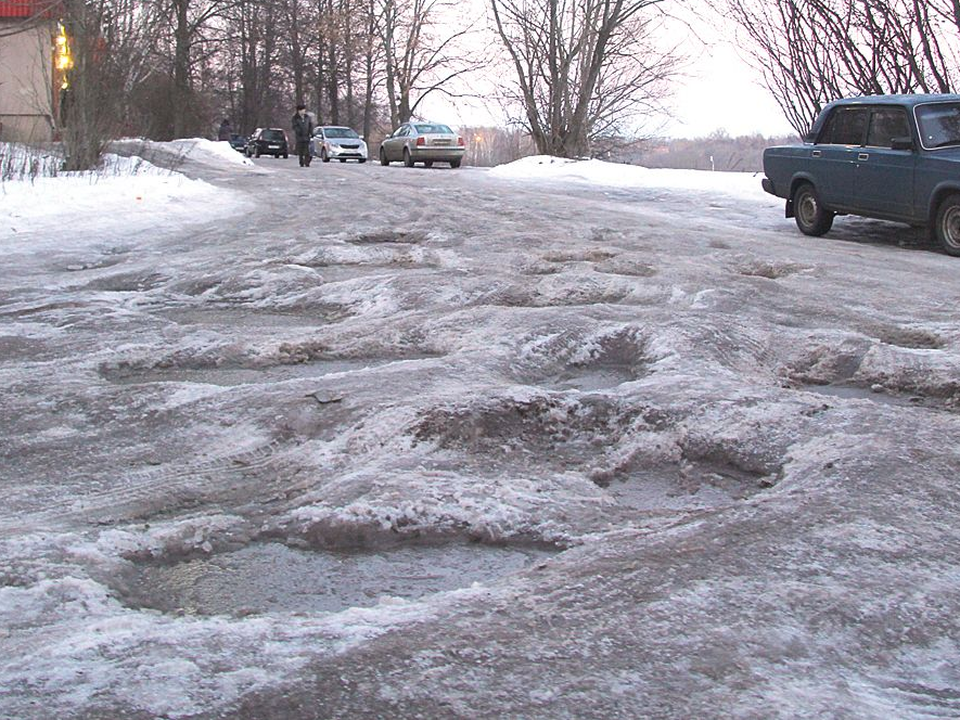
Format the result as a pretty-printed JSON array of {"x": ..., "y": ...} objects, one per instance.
[
  {"x": 624, "y": 372},
  {"x": 127, "y": 192},
  {"x": 600, "y": 173},
  {"x": 206, "y": 151}
]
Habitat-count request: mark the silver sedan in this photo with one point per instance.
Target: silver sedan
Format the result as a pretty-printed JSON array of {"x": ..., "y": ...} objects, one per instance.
[
  {"x": 334, "y": 142},
  {"x": 415, "y": 142}
]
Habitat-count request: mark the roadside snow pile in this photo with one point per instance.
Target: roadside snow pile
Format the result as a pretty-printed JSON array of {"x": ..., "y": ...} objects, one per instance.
[
  {"x": 597, "y": 172},
  {"x": 123, "y": 190},
  {"x": 207, "y": 151}
]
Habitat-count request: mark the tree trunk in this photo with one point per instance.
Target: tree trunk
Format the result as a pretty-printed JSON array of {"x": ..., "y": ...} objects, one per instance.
[{"x": 181, "y": 68}]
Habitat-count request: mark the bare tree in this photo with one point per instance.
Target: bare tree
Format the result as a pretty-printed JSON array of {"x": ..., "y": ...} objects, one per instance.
[
  {"x": 300, "y": 23},
  {"x": 582, "y": 67},
  {"x": 419, "y": 58},
  {"x": 813, "y": 51},
  {"x": 193, "y": 27},
  {"x": 109, "y": 43},
  {"x": 253, "y": 56}
]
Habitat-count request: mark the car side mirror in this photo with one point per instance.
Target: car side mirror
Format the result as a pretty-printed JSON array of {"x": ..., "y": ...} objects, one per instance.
[{"x": 901, "y": 143}]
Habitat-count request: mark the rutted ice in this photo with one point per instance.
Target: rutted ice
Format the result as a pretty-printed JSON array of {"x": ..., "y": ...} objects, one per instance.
[{"x": 682, "y": 588}]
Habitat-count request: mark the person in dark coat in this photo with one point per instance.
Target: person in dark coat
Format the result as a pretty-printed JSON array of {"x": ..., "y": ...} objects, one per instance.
[
  {"x": 225, "y": 130},
  {"x": 303, "y": 130}
]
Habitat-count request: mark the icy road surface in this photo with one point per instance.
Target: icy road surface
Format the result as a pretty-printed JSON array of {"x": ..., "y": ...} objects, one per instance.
[{"x": 353, "y": 441}]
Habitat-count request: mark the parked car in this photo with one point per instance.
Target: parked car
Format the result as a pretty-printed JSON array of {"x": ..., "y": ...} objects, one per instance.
[
  {"x": 334, "y": 142},
  {"x": 415, "y": 142},
  {"x": 238, "y": 142},
  {"x": 268, "y": 141},
  {"x": 891, "y": 157}
]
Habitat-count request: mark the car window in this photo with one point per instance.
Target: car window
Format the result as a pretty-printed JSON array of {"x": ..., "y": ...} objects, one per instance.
[
  {"x": 887, "y": 123},
  {"x": 401, "y": 131},
  {"x": 846, "y": 126},
  {"x": 424, "y": 128},
  {"x": 273, "y": 135},
  {"x": 939, "y": 124},
  {"x": 340, "y": 132}
]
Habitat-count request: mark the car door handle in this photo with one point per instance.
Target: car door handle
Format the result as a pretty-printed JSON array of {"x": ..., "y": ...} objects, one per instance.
[
  {"x": 863, "y": 156},
  {"x": 816, "y": 153}
]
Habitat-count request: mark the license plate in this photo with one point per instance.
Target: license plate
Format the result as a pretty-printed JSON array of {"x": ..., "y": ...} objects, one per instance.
[{"x": 274, "y": 147}]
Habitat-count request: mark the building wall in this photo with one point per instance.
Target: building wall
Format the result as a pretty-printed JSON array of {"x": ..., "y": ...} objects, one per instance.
[{"x": 26, "y": 95}]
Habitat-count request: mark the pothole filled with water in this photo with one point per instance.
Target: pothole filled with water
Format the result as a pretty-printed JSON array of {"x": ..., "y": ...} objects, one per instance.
[
  {"x": 271, "y": 577},
  {"x": 246, "y": 318},
  {"x": 593, "y": 379},
  {"x": 851, "y": 392},
  {"x": 230, "y": 376}
]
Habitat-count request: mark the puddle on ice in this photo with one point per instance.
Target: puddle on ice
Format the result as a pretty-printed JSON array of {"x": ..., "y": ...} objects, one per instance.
[
  {"x": 229, "y": 376},
  {"x": 849, "y": 392},
  {"x": 594, "y": 379},
  {"x": 246, "y": 318},
  {"x": 272, "y": 577}
]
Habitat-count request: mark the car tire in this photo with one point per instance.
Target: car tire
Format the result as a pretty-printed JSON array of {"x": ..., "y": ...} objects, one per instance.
[
  {"x": 256, "y": 153},
  {"x": 324, "y": 156},
  {"x": 407, "y": 159},
  {"x": 383, "y": 157},
  {"x": 812, "y": 218},
  {"x": 343, "y": 160},
  {"x": 946, "y": 227},
  {"x": 362, "y": 160},
  {"x": 455, "y": 163},
  {"x": 286, "y": 155}
]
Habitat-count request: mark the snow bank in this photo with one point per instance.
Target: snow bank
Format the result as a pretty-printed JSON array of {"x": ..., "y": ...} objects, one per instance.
[
  {"x": 126, "y": 190},
  {"x": 597, "y": 172},
  {"x": 207, "y": 151}
]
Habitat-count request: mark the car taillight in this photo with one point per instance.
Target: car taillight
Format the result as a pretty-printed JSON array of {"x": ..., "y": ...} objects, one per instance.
[
  {"x": 421, "y": 141},
  {"x": 460, "y": 142}
]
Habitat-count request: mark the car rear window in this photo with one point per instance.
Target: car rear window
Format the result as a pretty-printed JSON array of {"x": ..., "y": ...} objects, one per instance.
[
  {"x": 339, "y": 132},
  {"x": 846, "y": 126},
  {"x": 939, "y": 124},
  {"x": 273, "y": 135},
  {"x": 426, "y": 129}
]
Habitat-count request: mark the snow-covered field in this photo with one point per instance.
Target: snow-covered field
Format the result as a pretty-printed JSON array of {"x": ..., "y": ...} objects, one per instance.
[{"x": 554, "y": 440}]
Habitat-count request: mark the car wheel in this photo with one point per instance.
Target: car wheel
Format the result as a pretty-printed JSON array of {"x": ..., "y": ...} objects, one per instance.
[
  {"x": 947, "y": 226},
  {"x": 256, "y": 153},
  {"x": 286, "y": 155},
  {"x": 455, "y": 163},
  {"x": 362, "y": 160},
  {"x": 324, "y": 156},
  {"x": 383, "y": 157},
  {"x": 343, "y": 160},
  {"x": 812, "y": 218},
  {"x": 407, "y": 160}
]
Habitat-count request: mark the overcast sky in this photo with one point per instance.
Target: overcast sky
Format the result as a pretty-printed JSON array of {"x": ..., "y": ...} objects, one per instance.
[{"x": 719, "y": 90}]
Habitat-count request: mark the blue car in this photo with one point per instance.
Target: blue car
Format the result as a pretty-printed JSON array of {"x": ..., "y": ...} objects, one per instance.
[{"x": 891, "y": 157}]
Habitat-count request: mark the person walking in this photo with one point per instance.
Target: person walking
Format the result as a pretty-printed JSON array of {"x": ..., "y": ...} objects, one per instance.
[
  {"x": 303, "y": 130},
  {"x": 225, "y": 130}
]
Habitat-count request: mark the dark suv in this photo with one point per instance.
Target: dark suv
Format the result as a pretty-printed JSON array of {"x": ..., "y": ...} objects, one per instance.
[
  {"x": 267, "y": 141},
  {"x": 238, "y": 142}
]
